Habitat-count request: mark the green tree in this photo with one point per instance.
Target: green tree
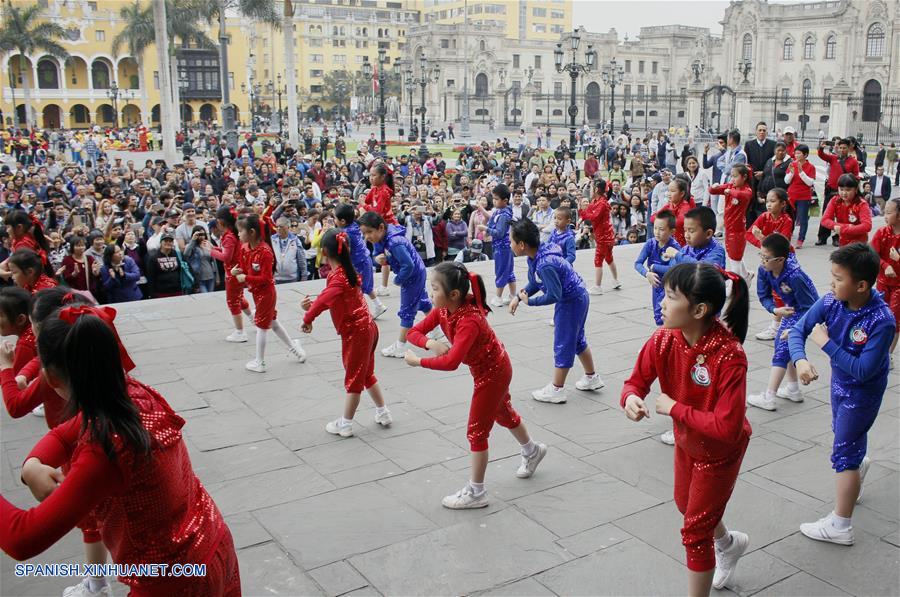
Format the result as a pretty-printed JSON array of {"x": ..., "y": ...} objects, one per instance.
[{"x": 24, "y": 31}]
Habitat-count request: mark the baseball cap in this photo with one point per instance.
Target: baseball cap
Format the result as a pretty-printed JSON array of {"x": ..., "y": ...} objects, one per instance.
[
  {"x": 172, "y": 214},
  {"x": 789, "y": 130},
  {"x": 167, "y": 236},
  {"x": 477, "y": 246}
]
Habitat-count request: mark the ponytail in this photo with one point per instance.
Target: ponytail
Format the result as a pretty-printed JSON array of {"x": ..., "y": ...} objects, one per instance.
[
  {"x": 706, "y": 283},
  {"x": 388, "y": 174},
  {"x": 30, "y": 224},
  {"x": 737, "y": 312},
  {"x": 336, "y": 245},
  {"x": 227, "y": 214},
  {"x": 452, "y": 275}
]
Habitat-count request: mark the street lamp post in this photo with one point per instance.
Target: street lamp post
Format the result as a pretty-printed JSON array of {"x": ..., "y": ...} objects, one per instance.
[
  {"x": 423, "y": 81},
  {"x": 127, "y": 95},
  {"x": 574, "y": 68},
  {"x": 744, "y": 66},
  {"x": 254, "y": 90},
  {"x": 612, "y": 75},
  {"x": 367, "y": 73},
  {"x": 113, "y": 94},
  {"x": 410, "y": 85},
  {"x": 279, "y": 90},
  {"x": 183, "y": 85}
]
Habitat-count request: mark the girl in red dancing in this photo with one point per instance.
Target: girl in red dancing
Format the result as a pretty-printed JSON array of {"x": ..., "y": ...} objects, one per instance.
[
  {"x": 357, "y": 329},
  {"x": 737, "y": 197},
  {"x": 462, "y": 318},
  {"x": 129, "y": 467},
  {"x": 777, "y": 218},
  {"x": 257, "y": 269},
  {"x": 14, "y": 306},
  {"x": 25, "y": 232},
  {"x": 379, "y": 199},
  {"x": 702, "y": 372},
  {"x": 28, "y": 272},
  {"x": 228, "y": 252}
]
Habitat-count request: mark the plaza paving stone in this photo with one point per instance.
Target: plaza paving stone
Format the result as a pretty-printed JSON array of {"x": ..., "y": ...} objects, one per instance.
[{"x": 313, "y": 514}]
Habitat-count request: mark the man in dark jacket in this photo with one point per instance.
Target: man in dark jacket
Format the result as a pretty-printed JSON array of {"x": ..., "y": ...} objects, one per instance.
[{"x": 758, "y": 151}]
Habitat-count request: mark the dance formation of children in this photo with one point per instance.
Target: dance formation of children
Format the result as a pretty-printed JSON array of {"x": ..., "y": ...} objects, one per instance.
[{"x": 122, "y": 444}]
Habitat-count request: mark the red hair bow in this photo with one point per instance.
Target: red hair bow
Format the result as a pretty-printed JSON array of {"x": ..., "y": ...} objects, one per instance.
[
  {"x": 729, "y": 275},
  {"x": 108, "y": 315},
  {"x": 233, "y": 212},
  {"x": 341, "y": 242},
  {"x": 35, "y": 221},
  {"x": 476, "y": 290}
]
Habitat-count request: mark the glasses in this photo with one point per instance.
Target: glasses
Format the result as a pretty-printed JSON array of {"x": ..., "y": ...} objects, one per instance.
[{"x": 766, "y": 259}]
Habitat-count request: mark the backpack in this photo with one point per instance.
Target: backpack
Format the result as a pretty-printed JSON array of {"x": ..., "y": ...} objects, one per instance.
[{"x": 187, "y": 274}]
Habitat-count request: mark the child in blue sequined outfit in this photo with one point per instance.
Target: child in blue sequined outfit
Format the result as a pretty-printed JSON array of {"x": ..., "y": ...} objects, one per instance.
[
  {"x": 562, "y": 234},
  {"x": 701, "y": 245},
  {"x": 345, "y": 217},
  {"x": 561, "y": 286},
  {"x": 498, "y": 228},
  {"x": 656, "y": 259},
  {"x": 854, "y": 326},
  {"x": 779, "y": 272},
  {"x": 393, "y": 248}
]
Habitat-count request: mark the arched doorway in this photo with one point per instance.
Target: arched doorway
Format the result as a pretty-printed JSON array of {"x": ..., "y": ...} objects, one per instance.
[
  {"x": 21, "y": 116},
  {"x": 52, "y": 116},
  {"x": 187, "y": 113},
  {"x": 481, "y": 85},
  {"x": 131, "y": 115},
  {"x": 207, "y": 112},
  {"x": 592, "y": 99},
  {"x": 79, "y": 116},
  {"x": 154, "y": 114},
  {"x": 717, "y": 108},
  {"x": 871, "y": 109},
  {"x": 48, "y": 74},
  {"x": 105, "y": 115}
]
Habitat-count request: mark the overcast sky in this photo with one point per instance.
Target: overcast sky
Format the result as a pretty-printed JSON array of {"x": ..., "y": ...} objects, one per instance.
[{"x": 629, "y": 16}]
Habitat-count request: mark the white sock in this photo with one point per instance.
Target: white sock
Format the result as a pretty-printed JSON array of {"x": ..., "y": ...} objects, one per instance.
[
  {"x": 477, "y": 488},
  {"x": 793, "y": 386},
  {"x": 345, "y": 421},
  {"x": 380, "y": 410},
  {"x": 591, "y": 375},
  {"x": 261, "y": 335},
  {"x": 96, "y": 583},
  {"x": 839, "y": 522},
  {"x": 401, "y": 344},
  {"x": 724, "y": 542},
  {"x": 281, "y": 333},
  {"x": 770, "y": 395},
  {"x": 528, "y": 449},
  {"x": 377, "y": 302}
]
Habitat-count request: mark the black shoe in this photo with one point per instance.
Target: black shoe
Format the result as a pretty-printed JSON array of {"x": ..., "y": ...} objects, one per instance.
[
  {"x": 836, "y": 241},
  {"x": 820, "y": 242}
]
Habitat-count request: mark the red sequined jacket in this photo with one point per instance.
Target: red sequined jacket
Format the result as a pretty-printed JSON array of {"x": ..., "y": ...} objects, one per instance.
[
  {"x": 348, "y": 308},
  {"x": 257, "y": 264},
  {"x": 883, "y": 240},
  {"x": 378, "y": 200},
  {"x": 707, "y": 381},
  {"x": 149, "y": 510}
]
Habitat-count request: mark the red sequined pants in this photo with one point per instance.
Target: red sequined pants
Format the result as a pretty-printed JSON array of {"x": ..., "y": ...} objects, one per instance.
[
  {"x": 358, "y": 354},
  {"x": 702, "y": 490},
  {"x": 234, "y": 296},
  {"x": 491, "y": 404}
]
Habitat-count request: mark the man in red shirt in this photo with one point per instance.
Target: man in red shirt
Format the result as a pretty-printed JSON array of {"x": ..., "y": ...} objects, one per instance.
[
  {"x": 841, "y": 163},
  {"x": 591, "y": 165}
]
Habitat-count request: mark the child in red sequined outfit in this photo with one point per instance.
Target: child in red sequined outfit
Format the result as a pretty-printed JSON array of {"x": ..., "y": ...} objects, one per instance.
[
  {"x": 379, "y": 199},
  {"x": 886, "y": 243},
  {"x": 353, "y": 322},
  {"x": 257, "y": 270},
  {"x": 597, "y": 212},
  {"x": 129, "y": 467},
  {"x": 702, "y": 371},
  {"x": 229, "y": 253},
  {"x": 462, "y": 318},
  {"x": 737, "y": 197},
  {"x": 28, "y": 272},
  {"x": 25, "y": 232},
  {"x": 14, "y": 321}
]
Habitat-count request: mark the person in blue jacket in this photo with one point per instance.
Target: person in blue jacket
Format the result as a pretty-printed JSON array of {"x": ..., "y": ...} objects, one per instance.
[
  {"x": 498, "y": 228},
  {"x": 120, "y": 275},
  {"x": 562, "y": 234},
  {"x": 699, "y": 231},
  {"x": 561, "y": 286},
  {"x": 657, "y": 260},
  {"x": 855, "y": 327},
  {"x": 779, "y": 272},
  {"x": 393, "y": 248},
  {"x": 345, "y": 217}
]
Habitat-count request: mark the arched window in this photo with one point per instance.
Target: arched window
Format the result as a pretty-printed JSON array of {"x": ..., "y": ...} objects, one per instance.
[
  {"x": 875, "y": 41},
  {"x": 481, "y": 85},
  {"x": 830, "y": 47},
  {"x": 807, "y": 89},
  {"x": 100, "y": 75},
  {"x": 809, "y": 48},
  {"x": 871, "y": 111},
  {"x": 481, "y": 45},
  {"x": 747, "y": 47},
  {"x": 48, "y": 76},
  {"x": 787, "y": 52}
]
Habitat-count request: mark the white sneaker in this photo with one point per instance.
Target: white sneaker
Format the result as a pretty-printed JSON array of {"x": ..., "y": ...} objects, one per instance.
[
  {"x": 384, "y": 419},
  {"x": 464, "y": 499},
  {"x": 237, "y": 336},
  {"x": 768, "y": 333},
  {"x": 395, "y": 351},
  {"x": 595, "y": 290},
  {"x": 378, "y": 311},
  {"x": 668, "y": 438},
  {"x": 38, "y": 410},
  {"x": 792, "y": 395},
  {"x": 496, "y": 301},
  {"x": 550, "y": 393},
  {"x": 297, "y": 351},
  {"x": 530, "y": 463},
  {"x": 507, "y": 300},
  {"x": 382, "y": 291},
  {"x": 824, "y": 530},
  {"x": 727, "y": 559},
  {"x": 256, "y": 365},
  {"x": 589, "y": 382},
  {"x": 617, "y": 285},
  {"x": 336, "y": 428},
  {"x": 863, "y": 469},
  {"x": 761, "y": 401},
  {"x": 83, "y": 589}
]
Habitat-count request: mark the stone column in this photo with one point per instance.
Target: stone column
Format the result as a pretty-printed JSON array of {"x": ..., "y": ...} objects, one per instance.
[
  {"x": 838, "y": 112},
  {"x": 743, "y": 110},
  {"x": 695, "y": 97}
]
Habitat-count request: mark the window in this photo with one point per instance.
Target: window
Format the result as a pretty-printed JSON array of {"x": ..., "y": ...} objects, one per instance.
[
  {"x": 99, "y": 35},
  {"x": 539, "y": 12},
  {"x": 830, "y": 46},
  {"x": 482, "y": 46},
  {"x": 451, "y": 82},
  {"x": 654, "y": 91},
  {"x": 826, "y": 98},
  {"x": 265, "y": 73},
  {"x": 316, "y": 73},
  {"x": 537, "y": 63},
  {"x": 641, "y": 67},
  {"x": 359, "y": 59},
  {"x": 747, "y": 47},
  {"x": 640, "y": 93},
  {"x": 627, "y": 90},
  {"x": 628, "y": 66},
  {"x": 539, "y": 28},
  {"x": 787, "y": 52},
  {"x": 316, "y": 58},
  {"x": 445, "y": 43},
  {"x": 655, "y": 68},
  {"x": 515, "y": 61},
  {"x": 537, "y": 86},
  {"x": 92, "y": 6},
  {"x": 336, "y": 59},
  {"x": 557, "y": 14},
  {"x": 315, "y": 89},
  {"x": 809, "y": 48},
  {"x": 875, "y": 41},
  {"x": 557, "y": 90},
  {"x": 338, "y": 43},
  {"x": 556, "y": 28},
  {"x": 383, "y": 45},
  {"x": 807, "y": 89},
  {"x": 785, "y": 94},
  {"x": 156, "y": 79}
]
